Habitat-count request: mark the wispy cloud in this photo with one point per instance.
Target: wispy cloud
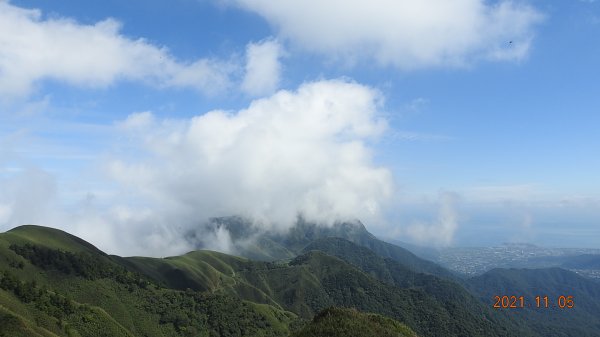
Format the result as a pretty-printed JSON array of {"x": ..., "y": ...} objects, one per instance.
[
  {"x": 441, "y": 231},
  {"x": 35, "y": 48},
  {"x": 263, "y": 69},
  {"x": 402, "y": 33}
]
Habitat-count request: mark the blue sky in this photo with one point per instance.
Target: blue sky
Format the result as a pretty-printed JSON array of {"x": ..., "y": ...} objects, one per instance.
[{"x": 461, "y": 122}]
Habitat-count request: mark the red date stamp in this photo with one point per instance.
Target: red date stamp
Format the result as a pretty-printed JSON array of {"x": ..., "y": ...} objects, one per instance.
[{"x": 519, "y": 302}]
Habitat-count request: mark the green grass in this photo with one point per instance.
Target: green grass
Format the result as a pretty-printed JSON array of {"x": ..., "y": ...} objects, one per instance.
[
  {"x": 49, "y": 237},
  {"x": 14, "y": 325},
  {"x": 339, "y": 322},
  {"x": 108, "y": 300},
  {"x": 76, "y": 290}
]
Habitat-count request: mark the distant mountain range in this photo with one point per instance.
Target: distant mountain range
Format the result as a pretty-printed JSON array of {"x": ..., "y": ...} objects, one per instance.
[{"x": 55, "y": 284}]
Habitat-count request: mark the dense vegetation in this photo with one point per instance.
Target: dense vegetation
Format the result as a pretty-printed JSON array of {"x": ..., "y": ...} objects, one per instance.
[
  {"x": 581, "y": 320},
  {"x": 461, "y": 306},
  {"x": 84, "y": 264},
  {"x": 55, "y": 284},
  {"x": 77, "y": 291},
  {"x": 314, "y": 280},
  {"x": 339, "y": 322}
]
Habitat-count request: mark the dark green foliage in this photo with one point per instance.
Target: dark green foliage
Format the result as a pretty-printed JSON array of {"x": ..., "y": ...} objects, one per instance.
[
  {"x": 581, "y": 321},
  {"x": 17, "y": 264},
  {"x": 428, "y": 316},
  {"x": 107, "y": 299},
  {"x": 219, "y": 315},
  {"x": 48, "y": 302},
  {"x": 84, "y": 264},
  {"x": 81, "y": 264},
  {"x": 68, "y": 288},
  {"x": 13, "y": 326},
  {"x": 8, "y": 281},
  {"x": 339, "y": 322},
  {"x": 188, "y": 313},
  {"x": 454, "y": 300},
  {"x": 25, "y": 291},
  {"x": 314, "y": 281}
]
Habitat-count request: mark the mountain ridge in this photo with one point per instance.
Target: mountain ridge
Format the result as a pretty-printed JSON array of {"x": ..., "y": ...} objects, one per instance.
[
  {"x": 55, "y": 285},
  {"x": 285, "y": 245}
]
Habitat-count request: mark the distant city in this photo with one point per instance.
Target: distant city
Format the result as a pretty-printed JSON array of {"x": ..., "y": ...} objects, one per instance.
[{"x": 472, "y": 261}]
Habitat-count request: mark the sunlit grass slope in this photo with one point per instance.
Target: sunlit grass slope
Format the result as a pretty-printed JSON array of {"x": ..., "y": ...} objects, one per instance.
[
  {"x": 340, "y": 322},
  {"x": 55, "y": 284}
]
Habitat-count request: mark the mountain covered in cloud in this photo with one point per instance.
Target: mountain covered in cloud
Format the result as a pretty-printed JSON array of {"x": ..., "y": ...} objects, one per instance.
[
  {"x": 55, "y": 284},
  {"x": 72, "y": 287},
  {"x": 139, "y": 126},
  {"x": 128, "y": 124},
  {"x": 245, "y": 238}
]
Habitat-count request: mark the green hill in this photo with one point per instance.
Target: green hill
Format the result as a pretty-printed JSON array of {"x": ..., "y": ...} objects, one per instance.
[
  {"x": 339, "y": 322},
  {"x": 456, "y": 300},
  {"x": 314, "y": 281},
  {"x": 64, "y": 286},
  {"x": 49, "y": 237},
  {"x": 581, "y": 320}
]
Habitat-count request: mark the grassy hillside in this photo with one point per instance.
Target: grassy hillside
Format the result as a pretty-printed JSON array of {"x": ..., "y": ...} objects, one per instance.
[
  {"x": 340, "y": 322},
  {"x": 314, "y": 281},
  {"x": 461, "y": 304},
  {"x": 63, "y": 286},
  {"x": 581, "y": 320},
  {"x": 49, "y": 237}
]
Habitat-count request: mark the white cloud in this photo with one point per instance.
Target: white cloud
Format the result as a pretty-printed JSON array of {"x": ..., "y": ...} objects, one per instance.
[
  {"x": 219, "y": 240},
  {"x": 441, "y": 231},
  {"x": 294, "y": 152},
  {"x": 403, "y": 33},
  {"x": 262, "y": 68},
  {"x": 138, "y": 120},
  {"x": 30, "y": 196},
  {"x": 34, "y": 48},
  {"x": 305, "y": 151},
  {"x": 26, "y": 197}
]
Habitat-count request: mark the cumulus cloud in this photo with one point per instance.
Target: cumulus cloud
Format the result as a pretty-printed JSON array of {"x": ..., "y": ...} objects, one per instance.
[
  {"x": 34, "y": 48},
  {"x": 30, "y": 195},
  {"x": 441, "y": 231},
  {"x": 296, "y": 152},
  {"x": 26, "y": 195},
  {"x": 303, "y": 152},
  {"x": 403, "y": 33},
  {"x": 262, "y": 68}
]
